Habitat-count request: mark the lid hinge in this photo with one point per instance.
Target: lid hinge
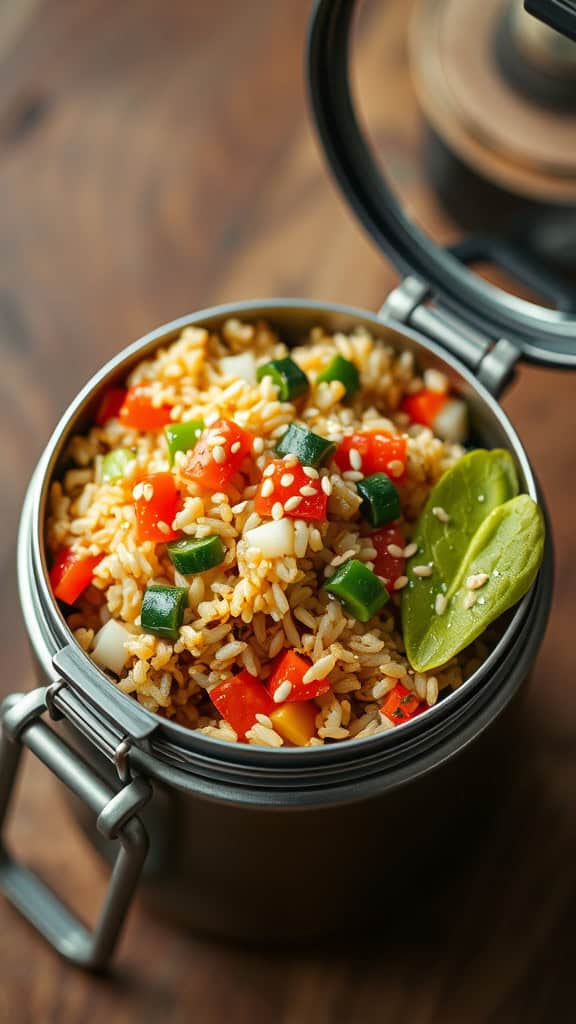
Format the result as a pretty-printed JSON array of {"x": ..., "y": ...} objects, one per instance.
[{"x": 491, "y": 360}]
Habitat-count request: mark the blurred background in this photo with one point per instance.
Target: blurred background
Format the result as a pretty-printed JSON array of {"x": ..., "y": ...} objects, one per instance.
[{"x": 156, "y": 158}]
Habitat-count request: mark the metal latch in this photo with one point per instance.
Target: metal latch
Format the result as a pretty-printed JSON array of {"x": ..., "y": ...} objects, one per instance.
[
  {"x": 116, "y": 814},
  {"x": 492, "y": 361},
  {"x": 111, "y": 721}
]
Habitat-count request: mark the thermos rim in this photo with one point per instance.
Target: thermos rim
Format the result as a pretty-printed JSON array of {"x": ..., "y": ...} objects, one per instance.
[{"x": 247, "y": 765}]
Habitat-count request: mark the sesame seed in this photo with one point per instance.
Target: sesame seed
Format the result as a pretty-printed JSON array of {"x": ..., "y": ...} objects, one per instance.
[
  {"x": 441, "y": 514},
  {"x": 477, "y": 580},
  {"x": 287, "y": 479},
  {"x": 396, "y": 467},
  {"x": 239, "y": 508},
  {"x": 290, "y": 459},
  {"x": 400, "y": 583},
  {"x": 219, "y": 454},
  {"x": 326, "y": 486},
  {"x": 277, "y": 510},
  {"x": 258, "y": 445},
  {"x": 481, "y": 498},
  {"x": 219, "y": 498},
  {"x": 440, "y": 605},
  {"x": 267, "y": 488},
  {"x": 137, "y": 492},
  {"x": 235, "y": 447},
  {"x": 495, "y": 573},
  {"x": 310, "y": 472},
  {"x": 162, "y": 526},
  {"x": 269, "y": 471},
  {"x": 216, "y": 439},
  {"x": 352, "y": 475},
  {"x": 395, "y": 551},
  {"x": 283, "y": 692},
  {"x": 410, "y": 550},
  {"x": 264, "y": 720},
  {"x": 292, "y": 503},
  {"x": 355, "y": 459},
  {"x": 470, "y": 600},
  {"x": 308, "y": 492},
  {"x": 148, "y": 492},
  {"x": 339, "y": 559},
  {"x": 422, "y": 570}
]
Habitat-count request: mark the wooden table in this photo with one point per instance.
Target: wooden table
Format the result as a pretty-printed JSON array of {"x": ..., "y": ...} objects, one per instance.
[{"x": 156, "y": 158}]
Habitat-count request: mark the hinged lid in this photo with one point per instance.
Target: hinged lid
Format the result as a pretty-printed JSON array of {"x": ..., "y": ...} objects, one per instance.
[{"x": 542, "y": 335}]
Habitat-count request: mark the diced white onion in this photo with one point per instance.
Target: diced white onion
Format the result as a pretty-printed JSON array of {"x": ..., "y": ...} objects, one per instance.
[
  {"x": 451, "y": 423},
  {"x": 242, "y": 366},
  {"x": 434, "y": 380},
  {"x": 274, "y": 539},
  {"x": 109, "y": 650}
]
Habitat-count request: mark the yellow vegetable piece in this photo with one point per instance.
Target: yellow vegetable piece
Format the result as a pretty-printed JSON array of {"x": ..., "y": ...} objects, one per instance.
[{"x": 296, "y": 722}]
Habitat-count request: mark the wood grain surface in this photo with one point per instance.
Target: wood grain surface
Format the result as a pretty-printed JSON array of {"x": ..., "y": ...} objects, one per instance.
[{"x": 156, "y": 158}]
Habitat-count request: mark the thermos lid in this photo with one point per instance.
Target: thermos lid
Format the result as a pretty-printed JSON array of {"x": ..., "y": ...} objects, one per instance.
[{"x": 541, "y": 334}]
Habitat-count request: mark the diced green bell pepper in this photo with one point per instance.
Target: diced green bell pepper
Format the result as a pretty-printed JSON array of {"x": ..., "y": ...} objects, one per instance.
[
  {"x": 115, "y": 464},
  {"x": 309, "y": 448},
  {"x": 380, "y": 499},
  {"x": 343, "y": 370},
  {"x": 193, "y": 555},
  {"x": 358, "y": 589},
  {"x": 292, "y": 382},
  {"x": 181, "y": 437},
  {"x": 162, "y": 610}
]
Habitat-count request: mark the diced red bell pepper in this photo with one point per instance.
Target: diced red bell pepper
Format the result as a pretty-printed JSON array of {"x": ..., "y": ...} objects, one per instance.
[
  {"x": 71, "y": 574},
  {"x": 377, "y": 449},
  {"x": 138, "y": 412},
  {"x": 156, "y": 502},
  {"x": 291, "y": 667},
  {"x": 401, "y": 704},
  {"x": 289, "y": 481},
  {"x": 109, "y": 408},
  {"x": 205, "y": 464},
  {"x": 424, "y": 406},
  {"x": 240, "y": 699},
  {"x": 389, "y": 567}
]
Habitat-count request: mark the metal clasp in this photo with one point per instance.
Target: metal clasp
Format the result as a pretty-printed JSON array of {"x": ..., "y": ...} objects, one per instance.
[
  {"x": 492, "y": 361},
  {"x": 116, "y": 818}
]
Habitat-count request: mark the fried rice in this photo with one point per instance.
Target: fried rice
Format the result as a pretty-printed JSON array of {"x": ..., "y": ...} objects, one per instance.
[{"x": 242, "y": 614}]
